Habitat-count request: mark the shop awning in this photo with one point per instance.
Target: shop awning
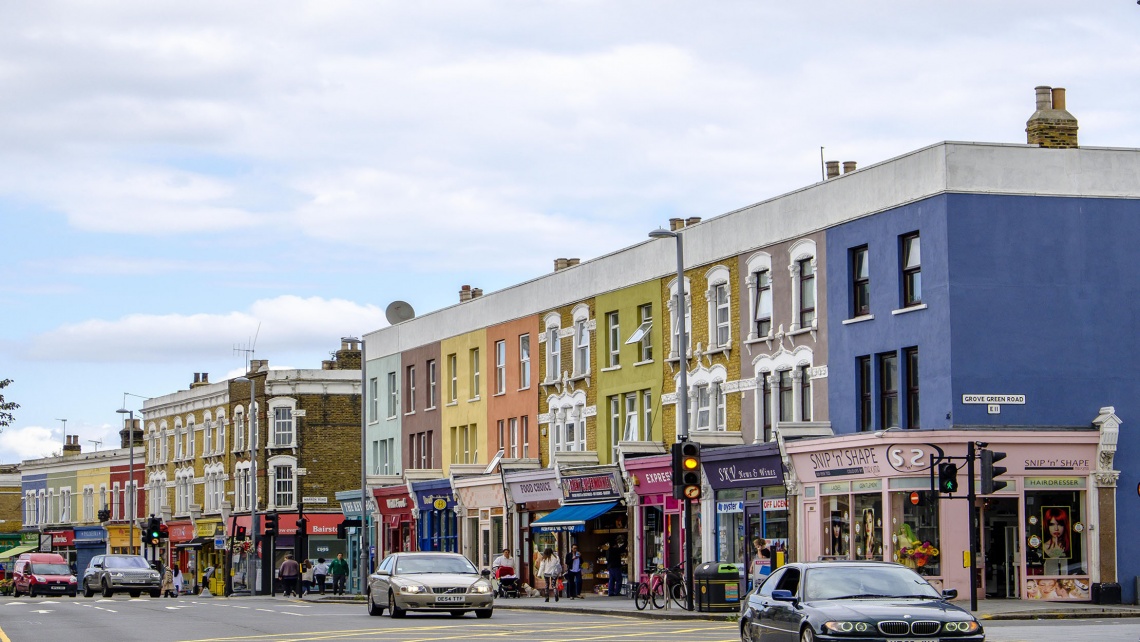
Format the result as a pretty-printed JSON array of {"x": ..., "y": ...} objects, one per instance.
[
  {"x": 571, "y": 519},
  {"x": 197, "y": 542},
  {"x": 13, "y": 552}
]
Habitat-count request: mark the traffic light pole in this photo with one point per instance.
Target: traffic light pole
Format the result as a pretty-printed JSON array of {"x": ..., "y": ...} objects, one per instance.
[{"x": 971, "y": 501}]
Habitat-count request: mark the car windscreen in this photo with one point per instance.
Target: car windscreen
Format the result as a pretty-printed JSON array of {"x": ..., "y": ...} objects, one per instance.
[
  {"x": 122, "y": 561},
  {"x": 51, "y": 569},
  {"x": 433, "y": 564},
  {"x": 839, "y": 582}
]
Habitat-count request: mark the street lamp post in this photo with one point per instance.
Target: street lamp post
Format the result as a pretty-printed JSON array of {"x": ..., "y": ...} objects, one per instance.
[
  {"x": 682, "y": 398},
  {"x": 131, "y": 479},
  {"x": 364, "y": 530}
]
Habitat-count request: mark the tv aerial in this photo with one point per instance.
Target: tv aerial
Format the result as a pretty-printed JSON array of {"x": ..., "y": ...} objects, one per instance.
[{"x": 399, "y": 311}]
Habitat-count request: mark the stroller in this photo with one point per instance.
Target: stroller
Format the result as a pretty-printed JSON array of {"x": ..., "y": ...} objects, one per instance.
[{"x": 508, "y": 582}]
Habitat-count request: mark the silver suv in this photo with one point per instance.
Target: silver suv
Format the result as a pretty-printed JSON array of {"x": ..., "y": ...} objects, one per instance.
[{"x": 112, "y": 574}]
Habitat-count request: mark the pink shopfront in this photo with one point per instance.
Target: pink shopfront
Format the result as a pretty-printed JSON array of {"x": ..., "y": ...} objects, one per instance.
[
  {"x": 658, "y": 538},
  {"x": 869, "y": 497}
]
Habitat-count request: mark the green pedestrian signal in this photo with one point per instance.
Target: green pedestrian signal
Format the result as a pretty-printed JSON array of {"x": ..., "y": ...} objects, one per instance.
[{"x": 947, "y": 478}]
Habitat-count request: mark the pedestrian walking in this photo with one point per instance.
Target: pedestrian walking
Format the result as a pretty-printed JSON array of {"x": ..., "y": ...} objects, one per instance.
[
  {"x": 177, "y": 581},
  {"x": 290, "y": 573},
  {"x": 306, "y": 578},
  {"x": 550, "y": 569},
  {"x": 615, "y": 567},
  {"x": 167, "y": 583},
  {"x": 574, "y": 573},
  {"x": 339, "y": 570},
  {"x": 320, "y": 574}
]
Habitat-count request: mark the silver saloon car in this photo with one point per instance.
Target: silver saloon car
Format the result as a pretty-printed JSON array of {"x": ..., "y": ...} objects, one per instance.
[{"x": 429, "y": 581}]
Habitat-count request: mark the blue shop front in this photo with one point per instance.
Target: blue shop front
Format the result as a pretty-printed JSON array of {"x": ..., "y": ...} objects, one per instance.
[
  {"x": 436, "y": 521},
  {"x": 89, "y": 542}
]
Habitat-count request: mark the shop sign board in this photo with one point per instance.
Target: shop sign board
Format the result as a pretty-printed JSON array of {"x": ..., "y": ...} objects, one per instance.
[
  {"x": 535, "y": 490},
  {"x": 1055, "y": 483},
  {"x": 730, "y": 507},
  {"x": 747, "y": 472},
  {"x": 775, "y": 503},
  {"x": 593, "y": 488}
]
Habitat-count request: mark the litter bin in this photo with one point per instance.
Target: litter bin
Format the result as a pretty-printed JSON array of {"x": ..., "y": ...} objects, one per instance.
[
  {"x": 1106, "y": 593},
  {"x": 717, "y": 587}
]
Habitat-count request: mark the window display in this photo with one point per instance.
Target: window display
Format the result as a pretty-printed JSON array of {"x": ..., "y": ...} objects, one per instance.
[
  {"x": 730, "y": 526},
  {"x": 837, "y": 527},
  {"x": 653, "y": 536},
  {"x": 869, "y": 527},
  {"x": 914, "y": 526},
  {"x": 1055, "y": 548}
]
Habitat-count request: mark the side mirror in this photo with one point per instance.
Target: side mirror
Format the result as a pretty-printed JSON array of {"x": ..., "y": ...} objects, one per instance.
[
  {"x": 486, "y": 573},
  {"x": 949, "y": 594},
  {"x": 381, "y": 571},
  {"x": 781, "y": 595}
]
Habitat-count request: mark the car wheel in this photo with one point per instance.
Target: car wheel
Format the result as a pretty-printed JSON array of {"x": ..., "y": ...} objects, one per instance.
[
  {"x": 373, "y": 609},
  {"x": 31, "y": 592},
  {"x": 746, "y": 630},
  {"x": 807, "y": 635},
  {"x": 73, "y": 594},
  {"x": 107, "y": 592},
  {"x": 88, "y": 591},
  {"x": 134, "y": 593},
  {"x": 394, "y": 610},
  {"x": 155, "y": 593},
  {"x": 483, "y": 614},
  {"x": 15, "y": 592}
]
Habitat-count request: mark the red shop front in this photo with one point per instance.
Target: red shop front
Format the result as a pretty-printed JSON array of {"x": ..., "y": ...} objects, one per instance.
[
  {"x": 397, "y": 527},
  {"x": 658, "y": 515}
]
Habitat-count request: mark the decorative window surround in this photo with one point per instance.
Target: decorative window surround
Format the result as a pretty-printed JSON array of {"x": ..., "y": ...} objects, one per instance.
[
  {"x": 613, "y": 368},
  {"x": 802, "y": 249},
  {"x": 688, "y": 314},
  {"x": 758, "y": 262},
  {"x": 718, "y": 276},
  {"x": 859, "y": 319},
  {"x": 913, "y": 308}
]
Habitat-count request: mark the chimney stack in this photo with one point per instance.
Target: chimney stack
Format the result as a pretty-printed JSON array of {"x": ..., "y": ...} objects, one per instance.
[
  {"x": 125, "y": 433},
  {"x": 848, "y": 167},
  {"x": 692, "y": 220},
  {"x": 676, "y": 224},
  {"x": 71, "y": 445},
  {"x": 572, "y": 262},
  {"x": 560, "y": 264},
  {"x": 1051, "y": 125},
  {"x": 832, "y": 169},
  {"x": 476, "y": 293},
  {"x": 465, "y": 293}
]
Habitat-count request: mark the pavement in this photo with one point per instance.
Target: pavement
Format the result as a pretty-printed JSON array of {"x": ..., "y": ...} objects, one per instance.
[{"x": 603, "y": 605}]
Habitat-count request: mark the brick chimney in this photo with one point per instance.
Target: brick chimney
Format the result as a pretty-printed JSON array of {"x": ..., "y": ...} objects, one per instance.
[
  {"x": 560, "y": 264},
  {"x": 256, "y": 365},
  {"x": 347, "y": 358},
  {"x": 125, "y": 433},
  {"x": 476, "y": 293},
  {"x": 200, "y": 379},
  {"x": 465, "y": 293},
  {"x": 848, "y": 167},
  {"x": 1051, "y": 125},
  {"x": 832, "y": 169},
  {"x": 71, "y": 445},
  {"x": 676, "y": 224}
]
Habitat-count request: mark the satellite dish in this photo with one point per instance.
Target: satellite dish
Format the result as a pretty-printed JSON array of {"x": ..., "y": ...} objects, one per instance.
[{"x": 399, "y": 311}]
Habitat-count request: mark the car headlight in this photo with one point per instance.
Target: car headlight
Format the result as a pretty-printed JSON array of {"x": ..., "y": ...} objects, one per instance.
[
  {"x": 116, "y": 574},
  {"x": 846, "y": 627},
  {"x": 480, "y": 587},
  {"x": 413, "y": 589},
  {"x": 154, "y": 575},
  {"x": 961, "y": 627},
  {"x": 38, "y": 579},
  {"x": 72, "y": 580}
]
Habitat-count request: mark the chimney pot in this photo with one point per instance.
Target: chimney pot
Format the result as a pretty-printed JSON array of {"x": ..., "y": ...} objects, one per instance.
[
  {"x": 1044, "y": 97},
  {"x": 676, "y": 224},
  {"x": 832, "y": 169},
  {"x": 205, "y": 377},
  {"x": 1059, "y": 98},
  {"x": 560, "y": 264},
  {"x": 848, "y": 166},
  {"x": 1051, "y": 125},
  {"x": 197, "y": 377},
  {"x": 465, "y": 293},
  {"x": 476, "y": 293},
  {"x": 692, "y": 220}
]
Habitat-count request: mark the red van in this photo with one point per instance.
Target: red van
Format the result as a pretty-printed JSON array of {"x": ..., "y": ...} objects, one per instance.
[{"x": 42, "y": 574}]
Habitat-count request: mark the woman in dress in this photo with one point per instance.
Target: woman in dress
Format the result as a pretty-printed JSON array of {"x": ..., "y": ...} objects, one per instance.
[{"x": 550, "y": 569}]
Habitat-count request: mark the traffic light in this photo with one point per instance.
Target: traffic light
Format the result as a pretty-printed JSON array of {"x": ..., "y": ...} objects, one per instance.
[
  {"x": 687, "y": 470},
  {"x": 241, "y": 532},
  {"x": 152, "y": 531},
  {"x": 271, "y": 524},
  {"x": 163, "y": 531},
  {"x": 104, "y": 515},
  {"x": 947, "y": 477},
  {"x": 302, "y": 526},
  {"x": 341, "y": 531},
  {"x": 989, "y": 471}
]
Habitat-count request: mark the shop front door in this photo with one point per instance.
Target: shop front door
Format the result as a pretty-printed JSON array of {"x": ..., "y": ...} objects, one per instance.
[
  {"x": 1001, "y": 548},
  {"x": 753, "y": 530}
]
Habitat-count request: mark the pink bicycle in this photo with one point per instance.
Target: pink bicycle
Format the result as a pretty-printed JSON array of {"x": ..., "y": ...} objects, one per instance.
[{"x": 654, "y": 587}]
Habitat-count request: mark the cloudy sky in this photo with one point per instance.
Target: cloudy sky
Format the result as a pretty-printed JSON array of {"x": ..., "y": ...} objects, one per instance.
[{"x": 178, "y": 178}]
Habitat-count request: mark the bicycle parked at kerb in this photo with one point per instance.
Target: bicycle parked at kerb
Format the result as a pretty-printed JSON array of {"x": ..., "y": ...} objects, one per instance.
[{"x": 659, "y": 582}]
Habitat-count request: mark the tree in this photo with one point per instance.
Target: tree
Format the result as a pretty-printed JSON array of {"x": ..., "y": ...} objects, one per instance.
[{"x": 6, "y": 407}]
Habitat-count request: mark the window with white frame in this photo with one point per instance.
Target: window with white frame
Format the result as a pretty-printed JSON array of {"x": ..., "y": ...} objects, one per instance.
[
  {"x": 373, "y": 399},
  {"x": 553, "y": 353},
  {"x": 673, "y": 318},
  {"x": 474, "y": 356},
  {"x": 453, "y": 375},
  {"x": 643, "y": 336},
  {"x": 177, "y": 442},
  {"x": 220, "y": 434},
  {"x": 615, "y": 424},
  {"x": 802, "y": 269},
  {"x": 152, "y": 446},
  {"x": 759, "y": 296},
  {"x": 43, "y": 508},
  {"x": 647, "y": 415},
  {"x": 513, "y": 428},
  {"x": 283, "y": 483},
  {"x": 29, "y": 507},
  {"x": 410, "y": 389},
  {"x": 239, "y": 430},
  {"x": 581, "y": 347},
  {"x": 500, "y": 367},
  {"x": 524, "y": 429},
  {"x": 208, "y": 436},
  {"x": 613, "y": 338},
  {"x": 703, "y": 407},
  {"x": 569, "y": 425},
  {"x": 190, "y": 437},
  {"x": 719, "y": 303},
  {"x": 283, "y": 426},
  {"x": 524, "y": 361},
  {"x": 431, "y": 384},
  {"x": 241, "y": 486},
  {"x": 393, "y": 396},
  {"x": 89, "y": 504},
  {"x": 630, "y": 425}
]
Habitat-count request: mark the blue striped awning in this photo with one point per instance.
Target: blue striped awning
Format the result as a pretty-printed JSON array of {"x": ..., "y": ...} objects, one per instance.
[{"x": 571, "y": 519}]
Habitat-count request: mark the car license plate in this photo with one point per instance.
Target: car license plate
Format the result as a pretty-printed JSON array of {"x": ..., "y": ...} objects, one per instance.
[
  {"x": 449, "y": 599},
  {"x": 57, "y": 588},
  {"x": 925, "y": 640}
]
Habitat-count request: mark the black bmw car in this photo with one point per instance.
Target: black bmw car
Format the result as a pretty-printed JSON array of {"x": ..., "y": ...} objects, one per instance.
[{"x": 845, "y": 601}]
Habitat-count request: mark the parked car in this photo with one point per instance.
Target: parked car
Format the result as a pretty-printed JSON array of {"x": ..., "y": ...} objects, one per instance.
[
  {"x": 429, "y": 581},
  {"x": 112, "y": 574},
  {"x": 42, "y": 574},
  {"x": 842, "y": 600}
]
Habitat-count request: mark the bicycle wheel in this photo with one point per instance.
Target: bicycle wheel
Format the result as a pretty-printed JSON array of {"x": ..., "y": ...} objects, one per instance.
[
  {"x": 679, "y": 594},
  {"x": 658, "y": 595},
  {"x": 641, "y": 596}
]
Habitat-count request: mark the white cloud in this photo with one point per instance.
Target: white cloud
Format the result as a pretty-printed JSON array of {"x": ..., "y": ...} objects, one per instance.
[
  {"x": 28, "y": 442},
  {"x": 286, "y": 323}
]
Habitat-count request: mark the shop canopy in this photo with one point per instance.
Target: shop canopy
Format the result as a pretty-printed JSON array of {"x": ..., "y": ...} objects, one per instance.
[
  {"x": 13, "y": 552},
  {"x": 572, "y": 518}
]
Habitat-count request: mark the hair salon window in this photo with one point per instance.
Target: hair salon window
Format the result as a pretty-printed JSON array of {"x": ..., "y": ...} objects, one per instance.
[
  {"x": 1055, "y": 529},
  {"x": 836, "y": 536},
  {"x": 914, "y": 531}
]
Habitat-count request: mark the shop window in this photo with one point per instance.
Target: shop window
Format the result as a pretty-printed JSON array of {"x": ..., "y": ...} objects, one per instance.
[
  {"x": 730, "y": 526},
  {"x": 653, "y": 537},
  {"x": 869, "y": 526},
  {"x": 837, "y": 527},
  {"x": 1055, "y": 529},
  {"x": 914, "y": 525}
]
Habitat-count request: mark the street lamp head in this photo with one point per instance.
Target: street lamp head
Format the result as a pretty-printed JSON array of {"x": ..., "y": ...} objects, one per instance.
[
  {"x": 124, "y": 411},
  {"x": 662, "y": 233}
]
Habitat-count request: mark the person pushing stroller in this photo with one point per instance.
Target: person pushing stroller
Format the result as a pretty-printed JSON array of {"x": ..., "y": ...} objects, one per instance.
[{"x": 503, "y": 570}]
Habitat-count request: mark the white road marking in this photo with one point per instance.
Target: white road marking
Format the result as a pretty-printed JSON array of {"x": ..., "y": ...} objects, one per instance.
[{"x": 42, "y": 611}]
